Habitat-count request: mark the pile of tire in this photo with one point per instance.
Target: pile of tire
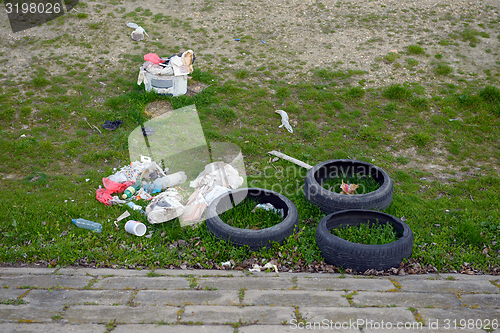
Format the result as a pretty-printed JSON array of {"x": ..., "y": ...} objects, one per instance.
[
  {"x": 353, "y": 210},
  {"x": 345, "y": 210}
]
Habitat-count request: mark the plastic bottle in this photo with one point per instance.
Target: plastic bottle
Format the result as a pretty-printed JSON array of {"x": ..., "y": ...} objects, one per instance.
[
  {"x": 170, "y": 180},
  {"x": 135, "y": 207},
  {"x": 86, "y": 224},
  {"x": 129, "y": 191}
]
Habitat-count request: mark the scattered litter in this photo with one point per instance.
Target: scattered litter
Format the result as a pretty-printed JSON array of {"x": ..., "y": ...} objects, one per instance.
[
  {"x": 104, "y": 194},
  {"x": 263, "y": 42},
  {"x": 87, "y": 180},
  {"x": 284, "y": 120},
  {"x": 456, "y": 119},
  {"x": 194, "y": 208},
  {"x": 291, "y": 159},
  {"x": 86, "y": 224},
  {"x": 269, "y": 207},
  {"x": 143, "y": 194},
  {"x": 136, "y": 207},
  {"x": 348, "y": 188},
  {"x": 92, "y": 127},
  {"x": 23, "y": 136},
  {"x": 123, "y": 216},
  {"x": 112, "y": 125},
  {"x": 138, "y": 33},
  {"x": 225, "y": 264},
  {"x": 135, "y": 228},
  {"x": 165, "y": 206},
  {"x": 129, "y": 191},
  {"x": 115, "y": 200},
  {"x": 257, "y": 268},
  {"x": 237, "y": 39}
]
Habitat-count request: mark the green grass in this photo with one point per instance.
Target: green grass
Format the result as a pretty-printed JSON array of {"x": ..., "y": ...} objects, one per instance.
[
  {"x": 376, "y": 234},
  {"x": 50, "y": 176},
  {"x": 245, "y": 216},
  {"x": 366, "y": 184}
]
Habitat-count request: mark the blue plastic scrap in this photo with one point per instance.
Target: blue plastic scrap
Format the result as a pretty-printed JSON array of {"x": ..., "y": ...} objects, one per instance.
[
  {"x": 263, "y": 42},
  {"x": 237, "y": 39}
]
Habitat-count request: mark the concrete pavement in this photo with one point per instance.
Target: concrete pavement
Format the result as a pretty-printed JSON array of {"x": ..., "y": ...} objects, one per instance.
[{"x": 192, "y": 301}]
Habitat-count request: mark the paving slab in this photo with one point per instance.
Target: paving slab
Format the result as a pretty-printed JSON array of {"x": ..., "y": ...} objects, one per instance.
[
  {"x": 26, "y": 271},
  {"x": 186, "y": 297},
  {"x": 249, "y": 283},
  {"x": 295, "y": 297},
  {"x": 27, "y": 313},
  {"x": 291, "y": 328},
  {"x": 406, "y": 299},
  {"x": 51, "y": 328},
  {"x": 100, "y": 272},
  {"x": 77, "y": 297},
  {"x": 121, "y": 313},
  {"x": 133, "y": 328},
  {"x": 448, "y": 318},
  {"x": 232, "y": 314},
  {"x": 348, "y": 283},
  {"x": 462, "y": 285},
  {"x": 481, "y": 300},
  {"x": 348, "y": 315},
  {"x": 200, "y": 272},
  {"x": 138, "y": 282},
  {"x": 44, "y": 281},
  {"x": 11, "y": 293}
]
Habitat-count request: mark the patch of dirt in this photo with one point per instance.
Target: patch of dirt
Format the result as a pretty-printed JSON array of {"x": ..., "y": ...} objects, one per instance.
[{"x": 157, "y": 108}]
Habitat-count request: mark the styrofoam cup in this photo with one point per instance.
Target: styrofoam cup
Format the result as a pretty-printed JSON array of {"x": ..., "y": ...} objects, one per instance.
[{"x": 135, "y": 228}]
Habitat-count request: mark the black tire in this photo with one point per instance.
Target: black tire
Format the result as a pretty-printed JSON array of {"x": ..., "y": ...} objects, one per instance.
[
  {"x": 255, "y": 239},
  {"x": 341, "y": 253},
  {"x": 330, "y": 202}
]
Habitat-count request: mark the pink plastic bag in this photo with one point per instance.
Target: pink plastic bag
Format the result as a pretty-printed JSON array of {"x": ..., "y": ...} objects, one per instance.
[
  {"x": 104, "y": 194},
  {"x": 154, "y": 58}
]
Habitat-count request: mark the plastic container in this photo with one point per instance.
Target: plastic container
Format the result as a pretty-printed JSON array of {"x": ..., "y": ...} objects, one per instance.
[
  {"x": 135, "y": 228},
  {"x": 170, "y": 180},
  {"x": 86, "y": 224},
  {"x": 166, "y": 84}
]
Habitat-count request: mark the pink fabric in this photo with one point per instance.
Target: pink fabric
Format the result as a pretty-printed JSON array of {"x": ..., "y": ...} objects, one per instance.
[
  {"x": 110, "y": 187},
  {"x": 153, "y": 57}
]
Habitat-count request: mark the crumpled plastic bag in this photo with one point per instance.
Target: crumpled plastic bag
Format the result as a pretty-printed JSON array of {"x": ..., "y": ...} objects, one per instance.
[
  {"x": 284, "y": 120},
  {"x": 257, "y": 268},
  {"x": 218, "y": 173},
  {"x": 104, "y": 194},
  {"x": 138, "y": 33},
  {"x": 154, "y": 58},
  {"x": 348, "y": 188},
  {"x": 165, "y": 206}
]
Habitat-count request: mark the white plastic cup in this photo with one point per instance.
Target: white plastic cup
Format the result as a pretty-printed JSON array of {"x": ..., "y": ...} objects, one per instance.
[{"x": 135, "y": 228}]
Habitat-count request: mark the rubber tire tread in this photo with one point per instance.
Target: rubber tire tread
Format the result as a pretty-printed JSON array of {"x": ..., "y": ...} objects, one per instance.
[
  {"x": 330, "y": 202},
  {"x": 341, "y": 253},
  {"x": 255, "y": 239}
]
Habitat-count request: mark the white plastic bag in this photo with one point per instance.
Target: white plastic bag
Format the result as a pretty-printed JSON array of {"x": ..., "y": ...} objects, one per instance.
[{"x": 165, "y": 207}]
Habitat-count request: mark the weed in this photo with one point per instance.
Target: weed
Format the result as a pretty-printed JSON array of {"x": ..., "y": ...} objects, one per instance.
[
  {"x": 415, "y": 49},
  {"x": 245, "y": 216},
  {"x": 366, "y": 184},
  {"x": 364, "y": 233},
  {"x": 396, "y": 91},
  {"x": 442, "y": 69}
]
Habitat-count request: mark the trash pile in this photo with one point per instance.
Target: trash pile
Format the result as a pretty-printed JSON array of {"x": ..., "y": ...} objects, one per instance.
[
  {"x": 167, "y": 199},
  {"x": 166, "y": 76}
]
